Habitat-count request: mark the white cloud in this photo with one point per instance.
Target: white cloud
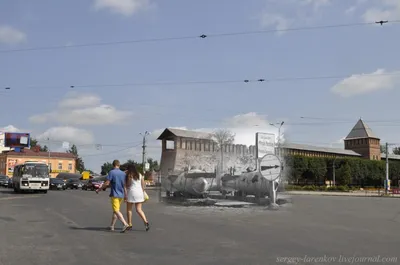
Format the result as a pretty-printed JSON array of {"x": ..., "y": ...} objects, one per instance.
[
  {"x": 276, "y": 20},
  {"x": 317, "y": 3},
  {"x": 350, "y": 10},
  {"x": 67, "y": 134},
  {"x": 10, "y": 35},
  {"x": 383, "y": 10},
  {"x": 124, "y": 7},
  {"x": 10, "y": 128},
  {"x": 83, "y": 109},
  {"x": 76, "y": 100},
  {"x": 296, "y": 12},
  {"x": 366, "y": 83}
]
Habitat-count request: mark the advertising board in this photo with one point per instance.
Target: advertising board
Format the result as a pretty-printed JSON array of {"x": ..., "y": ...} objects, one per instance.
[
  {"x": 265, "y": 144},
  {"x": 16, "y": 140}
]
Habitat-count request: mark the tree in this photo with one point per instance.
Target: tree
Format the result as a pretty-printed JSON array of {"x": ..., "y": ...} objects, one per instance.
[
  {"x": 34, "y": 143},
  {"x": 396, "y": 151},
  {"x": 80, "y": 165},
  {"x": 223, "y": 138},
  {"x": 105, "y": 168},
  {"x": 344, "y": 174},
  {"x": 139, "y": 166},
  {"x": 383, "y": 149}
]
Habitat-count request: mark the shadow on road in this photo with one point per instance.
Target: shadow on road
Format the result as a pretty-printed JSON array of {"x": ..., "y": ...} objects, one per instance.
[
  {"x": 104, "y": 229},
  {"x": 8, "y": 191}
]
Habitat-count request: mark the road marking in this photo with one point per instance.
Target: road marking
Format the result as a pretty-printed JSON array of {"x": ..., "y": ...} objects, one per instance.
[{"x": 20, "y": 197}]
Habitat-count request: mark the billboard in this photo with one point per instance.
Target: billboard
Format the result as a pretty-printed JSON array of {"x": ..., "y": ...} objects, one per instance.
[
  {"x": 17, "y": 140},
  {"x": 265, "y": 144}
]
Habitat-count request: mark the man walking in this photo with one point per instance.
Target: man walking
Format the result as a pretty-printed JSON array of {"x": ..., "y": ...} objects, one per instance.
[{"x": 116, "y": 179}]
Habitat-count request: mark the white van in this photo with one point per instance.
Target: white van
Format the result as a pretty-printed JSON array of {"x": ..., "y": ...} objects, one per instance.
[{"x": 31, "y": 175}]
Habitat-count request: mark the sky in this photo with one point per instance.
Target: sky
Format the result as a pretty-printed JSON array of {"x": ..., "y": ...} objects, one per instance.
[{"x": 101, "y": 97}]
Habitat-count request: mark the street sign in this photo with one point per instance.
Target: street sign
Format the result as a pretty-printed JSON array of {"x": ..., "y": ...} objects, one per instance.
[
  {"x": 265, "y": 144},
  {"x": 270, "y": 167},
  {"x": 146, "y": 166},
  {"x": 65, "y": 145}
]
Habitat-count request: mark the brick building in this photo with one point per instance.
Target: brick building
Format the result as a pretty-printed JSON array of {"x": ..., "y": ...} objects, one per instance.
[{"x": 183, "y": 148}]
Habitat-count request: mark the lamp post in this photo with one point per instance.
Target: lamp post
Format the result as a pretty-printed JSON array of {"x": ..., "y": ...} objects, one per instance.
[
  {"x": 334, "y": 175},
  {"x": 278, "y": 125},
  {"x": 145, "y": 134}
]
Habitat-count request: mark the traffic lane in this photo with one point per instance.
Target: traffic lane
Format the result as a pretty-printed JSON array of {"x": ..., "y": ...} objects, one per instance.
[
  {"x": 203, "y": 235},
  {"x": 9, "y": 194},
  {"x": 174, "y": 240}
]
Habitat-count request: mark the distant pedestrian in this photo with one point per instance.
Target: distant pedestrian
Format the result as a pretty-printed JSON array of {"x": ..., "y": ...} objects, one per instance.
[
  {"x": 135, "y": 194},
  {"x": 116, "y": 179}
]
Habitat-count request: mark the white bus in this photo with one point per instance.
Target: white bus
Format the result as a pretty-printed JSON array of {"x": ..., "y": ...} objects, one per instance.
[{"x": 31, "y": 175}]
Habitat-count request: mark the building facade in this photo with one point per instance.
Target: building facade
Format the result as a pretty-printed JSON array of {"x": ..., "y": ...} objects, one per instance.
[
  {"x": 187, "y": 149},
  {"x": 57, "y": 162}
]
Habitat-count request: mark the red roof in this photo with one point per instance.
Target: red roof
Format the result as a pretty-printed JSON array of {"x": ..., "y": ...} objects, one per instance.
[{"x": 31, "y": 153}]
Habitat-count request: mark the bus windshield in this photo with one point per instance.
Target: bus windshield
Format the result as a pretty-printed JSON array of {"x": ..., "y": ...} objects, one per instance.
[{"x": 41, "y": 171}]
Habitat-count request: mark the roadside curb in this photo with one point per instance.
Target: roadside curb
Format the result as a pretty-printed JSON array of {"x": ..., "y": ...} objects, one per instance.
[{"x": 339, "y": 194}]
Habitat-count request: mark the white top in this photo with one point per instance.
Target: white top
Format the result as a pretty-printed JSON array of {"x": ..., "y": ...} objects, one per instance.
[{"x": 135, "y": 191}]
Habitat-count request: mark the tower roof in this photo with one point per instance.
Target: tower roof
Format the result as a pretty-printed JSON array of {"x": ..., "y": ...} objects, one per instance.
[{"x": 361, "y": 130}]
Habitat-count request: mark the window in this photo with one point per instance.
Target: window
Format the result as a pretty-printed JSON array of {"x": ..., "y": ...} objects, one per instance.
[
  {"x": 60, "y": 165},
  {"x": 69, "y": 166},
  {"x": 183, "y": 144},
  {"x": 169, "y": 145}
]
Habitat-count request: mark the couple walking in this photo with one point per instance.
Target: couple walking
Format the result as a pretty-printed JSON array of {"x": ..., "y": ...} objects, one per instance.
[{"x": 128, "y": 186}]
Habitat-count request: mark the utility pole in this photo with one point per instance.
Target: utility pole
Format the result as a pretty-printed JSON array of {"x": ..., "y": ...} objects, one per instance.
[
  {"x": 334, "y": 173},
  {"x": 279, "y": 134},
  {"x": 387, "y": 169},
  {"x": 146, "y": 133}
]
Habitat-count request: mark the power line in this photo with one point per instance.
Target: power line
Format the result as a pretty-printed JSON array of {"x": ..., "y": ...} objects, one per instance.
[
  {"x": 111, "y": 152},
  {"x": 201, "y": 36},
  {"x": 208, "y": 82}
]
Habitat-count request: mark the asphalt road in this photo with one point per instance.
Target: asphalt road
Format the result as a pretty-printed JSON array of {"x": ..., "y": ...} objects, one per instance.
[{"x": 68, "y": 227}]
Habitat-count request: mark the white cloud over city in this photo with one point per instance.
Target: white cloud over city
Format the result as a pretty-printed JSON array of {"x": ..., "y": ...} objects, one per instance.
[
  {"x": 123, "y": 7},
  {"x": 11, "y": 35},
  {"x": 67, "y": 134},
  {"x": 358, "y": 84},
  {"x": 281, "y": 15},
  {"x": 382, "y": 10},
  {"x": 82, "y": 109}
]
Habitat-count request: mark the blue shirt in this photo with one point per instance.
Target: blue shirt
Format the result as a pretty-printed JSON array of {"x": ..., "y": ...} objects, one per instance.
[{"x": 117, "y": 181}]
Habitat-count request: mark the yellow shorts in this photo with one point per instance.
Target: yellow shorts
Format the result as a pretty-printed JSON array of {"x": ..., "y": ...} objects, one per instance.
[{"x": 116, "y": 203}]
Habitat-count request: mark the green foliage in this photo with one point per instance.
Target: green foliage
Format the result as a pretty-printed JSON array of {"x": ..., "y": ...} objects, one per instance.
[
  {"x": 396, "y": 151},
  {"x": 34, "y": 143},
  {"x": 304, "y": 170},
  {"x": 80, "y": 165},
  {"x": 106, "y": 167}
]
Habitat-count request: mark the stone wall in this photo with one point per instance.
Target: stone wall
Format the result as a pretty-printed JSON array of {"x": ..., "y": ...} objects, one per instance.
[{"x": 204, "y": 154}]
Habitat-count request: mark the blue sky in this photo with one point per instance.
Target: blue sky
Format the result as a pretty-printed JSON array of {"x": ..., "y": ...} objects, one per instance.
[{"x": 41, "y": 100}]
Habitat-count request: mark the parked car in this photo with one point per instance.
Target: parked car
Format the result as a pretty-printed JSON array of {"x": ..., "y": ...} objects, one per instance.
[
  {"x": 3, "y": 181},
  {"x": 92, "y": 184},
  {"x": 57, "y": 184},
  {"x": 73, "y": 184}
]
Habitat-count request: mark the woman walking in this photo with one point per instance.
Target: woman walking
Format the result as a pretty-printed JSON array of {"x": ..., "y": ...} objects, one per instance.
[{"x": 134, "y": 194}]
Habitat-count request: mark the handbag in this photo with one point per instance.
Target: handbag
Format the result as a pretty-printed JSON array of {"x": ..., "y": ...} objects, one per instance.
[{"x": 146, "y": 196}]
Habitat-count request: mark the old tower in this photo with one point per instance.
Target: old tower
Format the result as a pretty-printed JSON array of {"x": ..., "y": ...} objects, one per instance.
[{"x": 362, "y": 140}]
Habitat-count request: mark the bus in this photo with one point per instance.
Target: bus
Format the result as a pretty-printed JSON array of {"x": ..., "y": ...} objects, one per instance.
[{"x": 32, "y": 176}]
